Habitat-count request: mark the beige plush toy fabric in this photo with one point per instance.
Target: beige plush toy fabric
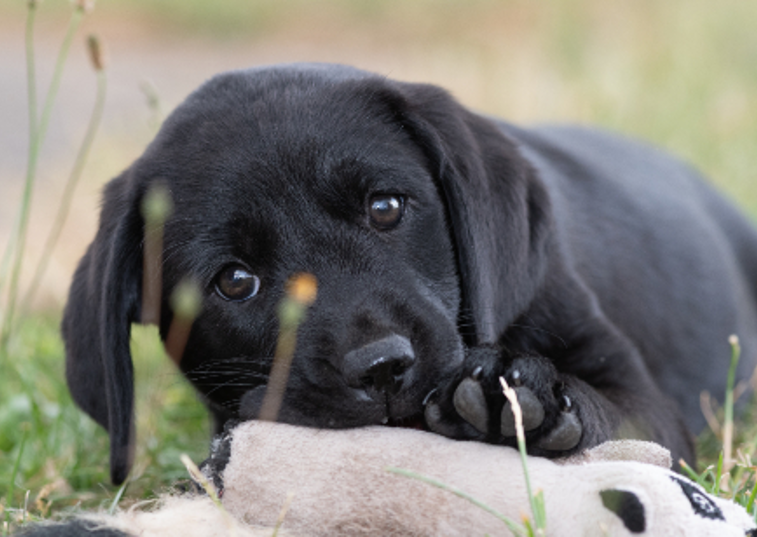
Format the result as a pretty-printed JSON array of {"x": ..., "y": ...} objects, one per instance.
[{"x": 340, "y": 485}]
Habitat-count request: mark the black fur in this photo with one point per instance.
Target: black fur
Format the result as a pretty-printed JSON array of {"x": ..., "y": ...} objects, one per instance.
[{"x": 599, "y": 274}]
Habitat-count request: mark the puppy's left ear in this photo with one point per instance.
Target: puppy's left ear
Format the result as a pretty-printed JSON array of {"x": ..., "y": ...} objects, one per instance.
[
  {"x": 103, "y": 302},
  {"x": 498, "y": 207}
]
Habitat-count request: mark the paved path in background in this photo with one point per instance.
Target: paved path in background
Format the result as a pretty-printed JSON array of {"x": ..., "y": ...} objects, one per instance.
[{"x": 172, "y": 67}]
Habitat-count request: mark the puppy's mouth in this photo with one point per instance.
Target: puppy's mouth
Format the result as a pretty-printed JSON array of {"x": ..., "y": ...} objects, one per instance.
[
  {"x": 413, "y": 422},
  {"x": 408, "y": 420}
]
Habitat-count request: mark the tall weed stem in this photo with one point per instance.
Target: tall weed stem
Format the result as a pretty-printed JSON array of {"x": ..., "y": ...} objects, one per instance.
[
  {"x": 538, "y": 510},
  {"x": 301, "y": 291},
  {"x": 31, "y": 89},
  {"x": 728, "y": 406},
  {"x": 73, "y": 179},
  {"x": 37, "y": 132}
]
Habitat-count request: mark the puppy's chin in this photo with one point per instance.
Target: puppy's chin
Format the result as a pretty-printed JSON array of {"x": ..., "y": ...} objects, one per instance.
[{"x": 252, "y": 402}]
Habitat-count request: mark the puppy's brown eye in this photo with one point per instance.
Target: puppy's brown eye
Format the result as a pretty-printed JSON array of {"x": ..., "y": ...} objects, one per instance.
[
  {"x": 386, "y": 210},
  {"x": 236, "y": 283}
]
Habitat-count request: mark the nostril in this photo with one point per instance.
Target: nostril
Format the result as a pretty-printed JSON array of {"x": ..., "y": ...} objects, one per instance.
[
  {"x": 386, "y": 374},
  {"x": 366, "y": 381},
  {"x": 379, "y": 367},
  {"x": 399, "y": 367}
]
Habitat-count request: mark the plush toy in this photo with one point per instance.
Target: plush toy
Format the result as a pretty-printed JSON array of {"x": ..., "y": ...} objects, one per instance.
[{"x": 338, "y": 483}]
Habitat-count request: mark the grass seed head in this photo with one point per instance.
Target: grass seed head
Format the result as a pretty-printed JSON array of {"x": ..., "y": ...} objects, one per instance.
[
  {"x": 85, "y": 5},
  {"x": 96, "y": 52},
  {"x": 303, "y": 288}
]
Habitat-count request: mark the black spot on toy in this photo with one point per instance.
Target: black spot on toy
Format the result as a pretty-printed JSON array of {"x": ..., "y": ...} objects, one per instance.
[{"x": 627, "y": 506}]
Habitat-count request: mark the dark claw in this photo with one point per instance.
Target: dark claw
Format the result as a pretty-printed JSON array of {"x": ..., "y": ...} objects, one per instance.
[
  {"x": 429, "y": 395},
  {"x": 533, "y": 412},
  {"x": 565, "y": 435},
  {"x": 470, "y": 403},
  {"x": 476, "y": 375}
]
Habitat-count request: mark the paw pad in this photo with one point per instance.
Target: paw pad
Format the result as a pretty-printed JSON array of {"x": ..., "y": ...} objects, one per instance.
[
  {"x": 472, "y": 406},
  {"x": 565, "y": 435},
  {"x": 532, "y": 409},
  {"x": 470, "y": 403}
]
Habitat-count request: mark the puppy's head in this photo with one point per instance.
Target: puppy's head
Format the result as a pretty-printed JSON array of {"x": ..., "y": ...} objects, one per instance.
[{"x": 419, "y": 220}]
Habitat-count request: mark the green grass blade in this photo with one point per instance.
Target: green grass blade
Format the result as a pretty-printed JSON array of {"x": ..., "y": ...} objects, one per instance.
[
  {"x": 538, "y": 509},
  {"x": 31, "y": 70},
  {"x": 513, "y": 526},
  {"x": 73, "y": 179},
  {"x": 31, "y": 88},
  {"x": 690, "y": 471},
  {"x": 119, "y": 495},
  {"x": 540, "y": 513},
  {"x": 750, "y": 502},
  {"x": 728, "y": 405},
  {"x": 52, "y": 92},
  {"x": 14, "y": 474}
]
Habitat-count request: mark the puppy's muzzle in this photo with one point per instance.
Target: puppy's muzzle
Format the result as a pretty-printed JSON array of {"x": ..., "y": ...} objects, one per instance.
[{"x": 380, "y": 367}]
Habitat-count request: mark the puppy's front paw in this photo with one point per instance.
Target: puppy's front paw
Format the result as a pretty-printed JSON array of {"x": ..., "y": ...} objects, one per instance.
[{"x": 473, "y": 406}]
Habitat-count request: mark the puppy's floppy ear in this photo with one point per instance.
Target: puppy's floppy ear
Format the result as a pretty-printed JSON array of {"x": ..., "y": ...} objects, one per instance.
[
  {"x": 498, "y": 208},
  {"x": 103, "y": 301}
]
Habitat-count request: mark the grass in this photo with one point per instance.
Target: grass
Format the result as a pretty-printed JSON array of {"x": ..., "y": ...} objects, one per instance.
[
  {"x": 730, "y": 477},
  {"x": 62, "y": 455},
  {"x": 680, "y": 73}
]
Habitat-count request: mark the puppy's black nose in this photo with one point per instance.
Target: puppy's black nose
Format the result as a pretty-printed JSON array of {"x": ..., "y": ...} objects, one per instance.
[{"x": 379, "y": 367}]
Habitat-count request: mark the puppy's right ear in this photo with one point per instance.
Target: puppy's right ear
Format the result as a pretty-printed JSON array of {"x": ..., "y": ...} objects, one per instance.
[{"x": 103, "y": 301}]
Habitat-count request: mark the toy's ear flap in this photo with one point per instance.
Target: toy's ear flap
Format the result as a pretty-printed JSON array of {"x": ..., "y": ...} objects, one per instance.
[
  {"x": 103, "y": 301},
  {"x": 498, "y": 208},
  {"x": 627, "y": 506}
]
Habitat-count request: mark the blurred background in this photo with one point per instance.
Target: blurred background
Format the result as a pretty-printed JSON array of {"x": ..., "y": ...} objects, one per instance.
[{"x": 679, "y": 73}]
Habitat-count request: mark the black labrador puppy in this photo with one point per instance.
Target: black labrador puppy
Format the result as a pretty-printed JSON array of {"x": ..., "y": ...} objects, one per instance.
[{"x": 597, "y": 275}]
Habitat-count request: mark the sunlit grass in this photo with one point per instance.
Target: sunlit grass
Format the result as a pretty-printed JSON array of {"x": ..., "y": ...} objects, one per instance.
[
  {"x": 721, "y": 471},
  {"x": 65, "y": 455}
]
